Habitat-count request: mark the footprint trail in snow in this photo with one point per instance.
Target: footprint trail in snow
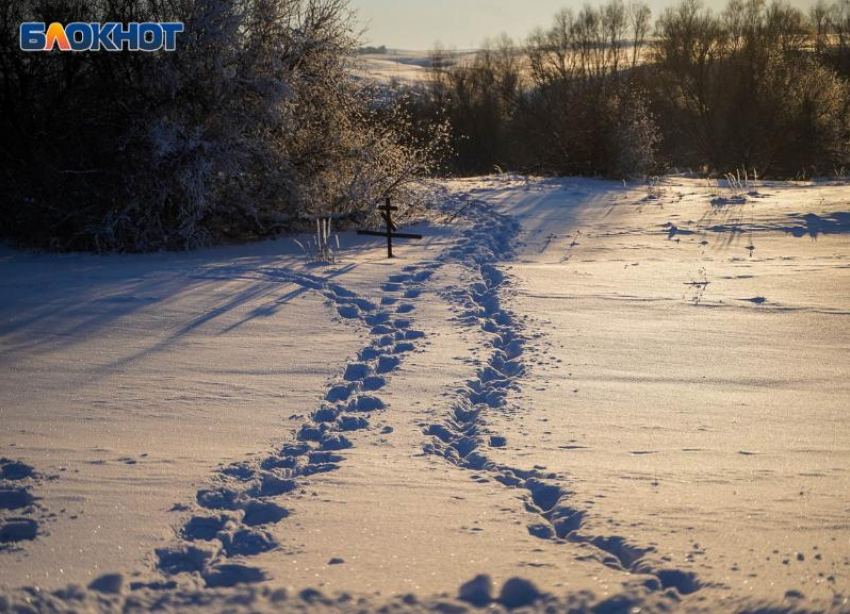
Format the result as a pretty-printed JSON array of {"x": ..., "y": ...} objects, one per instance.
[
  {"x": 245, "y": 500},
  {"x": 463, "y": 437},
  {"x": 22, "y": 517}
]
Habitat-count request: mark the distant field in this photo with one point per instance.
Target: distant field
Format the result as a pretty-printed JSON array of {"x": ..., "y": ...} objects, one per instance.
[
  {"x": 410, "y": 67},
  {"x": 401, "y": 66}
]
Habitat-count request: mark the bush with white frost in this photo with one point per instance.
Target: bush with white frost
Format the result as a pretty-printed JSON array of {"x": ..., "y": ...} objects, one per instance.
[{"x": 253, "y": 123}]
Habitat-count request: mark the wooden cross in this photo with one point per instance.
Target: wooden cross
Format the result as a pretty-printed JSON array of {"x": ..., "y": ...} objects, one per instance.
[{"x": 390, "y": 233}]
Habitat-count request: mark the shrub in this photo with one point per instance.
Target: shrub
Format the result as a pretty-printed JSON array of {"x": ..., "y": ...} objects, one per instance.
[{"x": 252, "y": 123}]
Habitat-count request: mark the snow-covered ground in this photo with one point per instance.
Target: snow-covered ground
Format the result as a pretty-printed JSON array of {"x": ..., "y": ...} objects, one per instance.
[
  {"x": 401, "y": 67},
  {"x": 404, "y": 67},
  {"x": 634, "y": 398}
]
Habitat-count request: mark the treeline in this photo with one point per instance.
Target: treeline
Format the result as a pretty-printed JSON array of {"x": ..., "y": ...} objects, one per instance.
[
  {"x": 256, "y": 122},
  {"x": 252, "y": 124},
  {"x": 372, "y": 50},
  {"x": 606, "y": 91}
]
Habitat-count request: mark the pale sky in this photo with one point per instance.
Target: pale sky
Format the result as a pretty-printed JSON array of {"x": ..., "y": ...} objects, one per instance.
[{"x": 464, "y": 24}]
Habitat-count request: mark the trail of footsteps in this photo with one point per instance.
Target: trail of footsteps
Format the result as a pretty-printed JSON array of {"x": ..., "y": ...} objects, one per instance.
[
  {"x": 245, "y": 500},
  {"x": 463, "y": 437},
  {"x": 20, "y": 511}
]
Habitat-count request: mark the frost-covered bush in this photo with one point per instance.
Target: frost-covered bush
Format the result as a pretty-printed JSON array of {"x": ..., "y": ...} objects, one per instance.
[
  {"x": 633, "y": 137},
  {"x": 253, "y": 122},
  {"x": 371, "y": 148},
  {"x": 814, "y": 138}
]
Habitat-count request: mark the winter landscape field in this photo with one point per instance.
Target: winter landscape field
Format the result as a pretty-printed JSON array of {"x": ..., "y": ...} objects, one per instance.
[
  {"x": 633, "y": 398},
  {"x": 549, "y": 317}
]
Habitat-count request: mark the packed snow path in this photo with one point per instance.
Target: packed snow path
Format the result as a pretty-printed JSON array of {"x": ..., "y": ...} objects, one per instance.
[{"x": 489, "y": 349}]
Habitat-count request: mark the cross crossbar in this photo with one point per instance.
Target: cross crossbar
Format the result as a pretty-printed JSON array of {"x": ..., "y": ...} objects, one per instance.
[
  {"x": 386, "y": 212},
  {"x": 394, "y": 235}
]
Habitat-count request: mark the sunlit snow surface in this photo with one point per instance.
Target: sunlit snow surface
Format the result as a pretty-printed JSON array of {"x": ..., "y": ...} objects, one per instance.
[{"x": 633, "y": 397}]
